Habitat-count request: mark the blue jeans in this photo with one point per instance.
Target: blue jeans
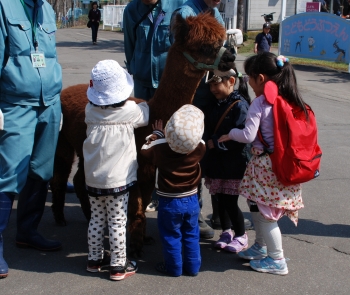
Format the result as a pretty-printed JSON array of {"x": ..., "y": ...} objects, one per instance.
[{"x": 178, "y": 228}]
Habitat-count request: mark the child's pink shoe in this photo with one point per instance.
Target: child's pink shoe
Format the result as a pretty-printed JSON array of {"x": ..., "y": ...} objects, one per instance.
[
  {"x": 225, "y": 239},
  {"x": 237, "y": 244}
]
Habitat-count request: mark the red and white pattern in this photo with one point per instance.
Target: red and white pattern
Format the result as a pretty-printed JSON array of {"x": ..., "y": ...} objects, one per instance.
[{"x": 260, "y": 185}]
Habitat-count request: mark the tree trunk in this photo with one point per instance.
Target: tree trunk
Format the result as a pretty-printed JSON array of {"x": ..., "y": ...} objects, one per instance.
[{"x": 240, "y": 14}]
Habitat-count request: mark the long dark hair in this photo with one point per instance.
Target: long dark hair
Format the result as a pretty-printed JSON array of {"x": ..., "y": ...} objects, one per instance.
[
  {"x": 243, "y": 86},
  {"x": 265, "y": 63}
]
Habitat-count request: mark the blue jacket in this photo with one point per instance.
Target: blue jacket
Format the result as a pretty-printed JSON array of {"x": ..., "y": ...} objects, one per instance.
[
  {"x": 146, "y": 49},
  {"x": 20, "y": 82},
  {"x": 203, "y": 97},
  {"x": 228, "y": 160},
  {"x": 194, "y": 7}
]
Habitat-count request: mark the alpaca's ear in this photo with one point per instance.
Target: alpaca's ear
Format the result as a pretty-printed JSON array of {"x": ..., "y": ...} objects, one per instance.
[{"x": 179, "y": 28}]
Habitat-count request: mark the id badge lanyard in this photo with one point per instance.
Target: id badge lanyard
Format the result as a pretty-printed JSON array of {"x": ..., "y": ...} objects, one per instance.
[{"x": 38, "y": 57}]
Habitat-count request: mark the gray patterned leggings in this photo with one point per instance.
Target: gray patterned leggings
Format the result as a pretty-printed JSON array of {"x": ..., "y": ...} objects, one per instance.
[{"x": 111, "y": 210}]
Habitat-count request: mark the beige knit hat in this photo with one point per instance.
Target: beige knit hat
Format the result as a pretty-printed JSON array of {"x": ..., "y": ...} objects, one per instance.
[{"x": 185, "y": 128}]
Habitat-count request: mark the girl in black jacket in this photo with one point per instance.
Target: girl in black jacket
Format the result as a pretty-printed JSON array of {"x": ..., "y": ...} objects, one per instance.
[
  {"x": 94, "y": 18},
  {"x": 226, "y": 162}
]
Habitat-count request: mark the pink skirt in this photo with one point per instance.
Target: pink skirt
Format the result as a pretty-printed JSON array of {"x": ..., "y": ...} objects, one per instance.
[{"x": 260, "y": 185}]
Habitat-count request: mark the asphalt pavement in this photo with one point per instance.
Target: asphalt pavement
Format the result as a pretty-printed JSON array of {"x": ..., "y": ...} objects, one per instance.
[{"x": 318, "y": 249}]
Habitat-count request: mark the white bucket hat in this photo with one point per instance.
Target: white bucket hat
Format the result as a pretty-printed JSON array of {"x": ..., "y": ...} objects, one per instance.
[
  {"x": 185, "y": 128},
  {"x": 109, "y": 83}
]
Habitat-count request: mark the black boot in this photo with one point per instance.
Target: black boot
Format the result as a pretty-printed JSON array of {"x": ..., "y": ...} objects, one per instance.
[
  {"x": 205, "y": 231},
  {"x": 30, "y": 209},
  {"x": 6, "y": 201}
]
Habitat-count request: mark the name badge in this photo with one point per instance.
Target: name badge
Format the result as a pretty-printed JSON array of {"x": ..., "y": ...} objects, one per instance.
[{"x": 38, "y": 59}]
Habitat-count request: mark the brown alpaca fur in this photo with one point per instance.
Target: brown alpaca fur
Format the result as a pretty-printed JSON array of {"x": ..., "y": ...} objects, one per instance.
[{"x": 201, "y": 37}]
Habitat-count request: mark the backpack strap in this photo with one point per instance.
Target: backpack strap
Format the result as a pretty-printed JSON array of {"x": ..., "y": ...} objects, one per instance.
[
  {"x": 224, "y": 115},
  {"x": 267, "y": 149}
]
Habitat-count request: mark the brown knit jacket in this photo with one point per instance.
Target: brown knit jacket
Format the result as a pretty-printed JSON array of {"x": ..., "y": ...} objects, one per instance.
[{"x": 178, "y": 175}]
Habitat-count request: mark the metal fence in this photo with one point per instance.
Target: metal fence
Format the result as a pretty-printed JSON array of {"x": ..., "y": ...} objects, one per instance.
[{"x": 113, "y": 17}]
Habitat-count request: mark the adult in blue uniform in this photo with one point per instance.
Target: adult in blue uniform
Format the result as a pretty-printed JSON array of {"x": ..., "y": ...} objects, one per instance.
[
  {"x": 30, "y": 86},
  {"x": 146, "y": 42},
  {"x": 203, "y": 98}
]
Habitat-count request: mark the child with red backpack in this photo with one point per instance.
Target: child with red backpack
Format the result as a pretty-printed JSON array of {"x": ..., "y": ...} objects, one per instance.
[{"x": 270, "y": 196}]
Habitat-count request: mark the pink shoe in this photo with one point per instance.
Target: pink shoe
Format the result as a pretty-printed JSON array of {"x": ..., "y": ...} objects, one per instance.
[
  {"x": 237, "y": 244},
  {"x": 225, "y": 239}
]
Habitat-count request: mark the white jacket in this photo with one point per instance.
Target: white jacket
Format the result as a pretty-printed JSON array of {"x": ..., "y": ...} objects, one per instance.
[{"x": 109, "y": 149}]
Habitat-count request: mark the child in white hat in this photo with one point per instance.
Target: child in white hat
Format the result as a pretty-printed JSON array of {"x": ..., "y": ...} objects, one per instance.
[
  {"x": 110, "y": 163},
  {"x": 176, "y": 153}
]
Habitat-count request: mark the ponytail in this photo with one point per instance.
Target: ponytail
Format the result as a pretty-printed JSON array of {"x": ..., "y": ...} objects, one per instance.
[{"x": 243, "y": 86}]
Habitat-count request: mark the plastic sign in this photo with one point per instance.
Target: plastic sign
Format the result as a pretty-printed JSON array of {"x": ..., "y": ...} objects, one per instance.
[
  {"x": 316, "y": 35},
  {"x": 313, "y": 6}
]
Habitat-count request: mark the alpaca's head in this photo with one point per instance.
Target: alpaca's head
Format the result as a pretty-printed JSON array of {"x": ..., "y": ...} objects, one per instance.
[{"x": 201, "y": 37}]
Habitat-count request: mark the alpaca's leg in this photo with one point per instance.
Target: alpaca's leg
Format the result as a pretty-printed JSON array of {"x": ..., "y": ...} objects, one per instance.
[
  {"x": 80, "y": 189},
  {"x": 136, "y": 222},
  {"x": 64, "y": 158},
  {"x": 139, "y": 197},
  {"x": 146, "y": 189}
]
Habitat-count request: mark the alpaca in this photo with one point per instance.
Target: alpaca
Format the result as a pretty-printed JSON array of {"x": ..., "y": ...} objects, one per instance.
[{"x": 198, "y": 41}]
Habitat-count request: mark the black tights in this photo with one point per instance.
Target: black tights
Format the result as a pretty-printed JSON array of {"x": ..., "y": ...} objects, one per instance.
[{"x": 229, "y": 204}]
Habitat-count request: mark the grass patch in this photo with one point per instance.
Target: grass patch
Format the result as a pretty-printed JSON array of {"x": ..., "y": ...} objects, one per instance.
[
  {"x": 339, "y": 66},
  {"x": 248, "y": 49}
]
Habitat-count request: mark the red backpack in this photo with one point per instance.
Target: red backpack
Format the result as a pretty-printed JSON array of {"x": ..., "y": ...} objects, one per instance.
[{"x": 296, "y": 154}]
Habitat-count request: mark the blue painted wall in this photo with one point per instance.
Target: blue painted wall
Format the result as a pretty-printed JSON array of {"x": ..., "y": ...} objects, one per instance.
[{"x": 316, "y": 35}]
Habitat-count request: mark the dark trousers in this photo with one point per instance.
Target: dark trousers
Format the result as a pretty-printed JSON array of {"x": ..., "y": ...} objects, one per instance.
[
  {"x": 94, "y": 29},
  {"x": 229, "y": 204}
]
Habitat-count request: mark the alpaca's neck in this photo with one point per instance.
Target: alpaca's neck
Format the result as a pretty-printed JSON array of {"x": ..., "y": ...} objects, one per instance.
[{"x": 176, "y": 88}]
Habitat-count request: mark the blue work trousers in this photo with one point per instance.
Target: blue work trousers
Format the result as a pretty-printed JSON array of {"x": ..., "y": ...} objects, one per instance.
[
  {"x": 28, "y": 144},
  {"x": 143, "y": 92},
  {"x": 178, "y": 229}
]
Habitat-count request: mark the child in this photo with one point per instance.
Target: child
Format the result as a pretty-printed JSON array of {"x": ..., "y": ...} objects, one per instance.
[
  {"x": 176, "y": 152},
  {"x": 268, "y": 198},
  {"x": 263, "y": 40},
  {"x": 226, "y": 162},
  {"x": 110, "y": 163}
]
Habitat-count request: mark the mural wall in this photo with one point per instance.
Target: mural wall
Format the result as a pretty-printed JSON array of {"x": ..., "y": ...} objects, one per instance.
[{"x": 316, "y": 35}]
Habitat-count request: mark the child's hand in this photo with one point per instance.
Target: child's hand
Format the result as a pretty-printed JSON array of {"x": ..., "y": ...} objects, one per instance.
[
  {"x": 158, "y": 125},
  {"x": 223, "y": 138},
  {"x": 210, "y": 144}
]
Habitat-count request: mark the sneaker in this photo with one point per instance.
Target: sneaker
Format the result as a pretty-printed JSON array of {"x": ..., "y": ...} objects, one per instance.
[
  {"x": 97, "y": 265},
  {"x": 153, "y": 206},
  {"x": 225, "y": 239},
  {"x": 269, "y": 265},
  {"x": 237, "y": 244},
  {"x": 255, "y": 252},
  {"x": 118, "y": 273}
]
